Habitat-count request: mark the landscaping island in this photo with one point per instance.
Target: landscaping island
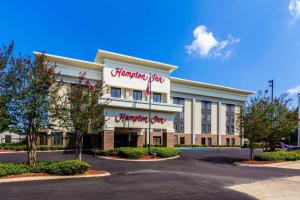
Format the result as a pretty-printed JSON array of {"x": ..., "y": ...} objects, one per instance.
[
  {"x": 139, "y": 153},
  {"x": 60, "y": 168},
  {"x": 273, "y": 157}
]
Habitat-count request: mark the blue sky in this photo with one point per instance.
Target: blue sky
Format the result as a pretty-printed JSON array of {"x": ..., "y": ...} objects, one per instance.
[{"x": 237, "y": 43}]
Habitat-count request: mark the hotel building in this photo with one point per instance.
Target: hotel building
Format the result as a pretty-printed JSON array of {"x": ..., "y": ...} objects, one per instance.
[{"x": 183, "y": 111}]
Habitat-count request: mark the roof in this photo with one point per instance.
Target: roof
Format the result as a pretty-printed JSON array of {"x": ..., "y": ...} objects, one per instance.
[
  {"x": 209, "y": 86},
  {"x": 71, "y": 61},
  {"x": 102, "y": 54}
]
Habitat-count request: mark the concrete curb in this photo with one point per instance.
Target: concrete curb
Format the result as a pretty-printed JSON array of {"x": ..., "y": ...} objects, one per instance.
[
  {"x": 41, "y": 178},
  {"x": 278, "y": 165},
  {"x": 132, "y": 160}
]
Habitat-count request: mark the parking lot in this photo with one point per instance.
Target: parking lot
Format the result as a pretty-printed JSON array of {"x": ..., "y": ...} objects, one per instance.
[{"x": 195, "y": 175}]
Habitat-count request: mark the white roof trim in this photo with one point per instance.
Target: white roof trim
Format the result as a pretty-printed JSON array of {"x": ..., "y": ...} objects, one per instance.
[{"x": 209, "y": 86}]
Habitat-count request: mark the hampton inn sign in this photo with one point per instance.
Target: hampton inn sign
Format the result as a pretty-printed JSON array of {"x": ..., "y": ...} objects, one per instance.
[{"x": 182, "y": 111}]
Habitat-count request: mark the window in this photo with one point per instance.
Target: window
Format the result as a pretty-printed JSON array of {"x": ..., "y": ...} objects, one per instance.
[
  {"x": 181, "y": 140},
  {"x": 116, "y": 92},
  {"x": 233, "y": 142},
  {"x": 229, "y": 119},
  {"x": 57, "y": 138},
  {"x": 206, "y": 117},
  {"x": 7, "y": 139},
  {"x": 227, "y": 142},
  {"x": 179, "y": 117},
  {"x": 203, "y": 141},
  {"x": 157, "y": 140},
  {"x": 156, "y": 97},
  {"x": 209, "y": 142},
  {"x": 137, "y": 95},
  {"x": 43, "y": 139}
]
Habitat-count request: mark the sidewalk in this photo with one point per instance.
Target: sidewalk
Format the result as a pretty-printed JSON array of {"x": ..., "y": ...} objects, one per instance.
[
  {"x": 285, "y": 165},
  {"x": 273, "y": 189}
]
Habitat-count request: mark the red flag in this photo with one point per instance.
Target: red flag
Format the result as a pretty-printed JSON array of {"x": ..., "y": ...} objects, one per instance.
[{"x": 148, "y": 89}]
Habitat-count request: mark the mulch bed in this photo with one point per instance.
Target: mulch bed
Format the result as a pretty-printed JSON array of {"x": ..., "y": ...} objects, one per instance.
[
  {"x": 148, "y": 157},
  {"x": 89, "y": 172},
  {"x": 254, "y": 162},
  {"x": 7, "y": 150}
]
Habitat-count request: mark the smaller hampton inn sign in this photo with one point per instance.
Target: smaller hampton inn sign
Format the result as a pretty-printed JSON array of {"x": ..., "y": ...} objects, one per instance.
[{"x": 139, "y": 118}]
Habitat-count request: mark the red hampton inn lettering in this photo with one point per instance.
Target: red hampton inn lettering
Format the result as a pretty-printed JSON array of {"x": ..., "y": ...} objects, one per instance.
[
  {"x": 139, "y": 118},
  {"x": 119, "y": 72}
]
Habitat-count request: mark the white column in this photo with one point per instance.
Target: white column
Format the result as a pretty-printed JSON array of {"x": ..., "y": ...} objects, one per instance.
[
  {"x": 219, "y": 122},
  {"x": 193, "y": 121}
]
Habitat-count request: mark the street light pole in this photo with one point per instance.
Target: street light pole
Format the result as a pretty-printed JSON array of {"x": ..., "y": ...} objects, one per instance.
[{"x": 271, "y": 85}]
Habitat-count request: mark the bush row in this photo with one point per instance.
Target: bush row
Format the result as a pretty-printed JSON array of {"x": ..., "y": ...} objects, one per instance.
[
  {"x": 195, "y": 145},
  {"x": 24, "y": 147},
  {"x": 277, "y": 156},
  {"x": 138, "y": 152},
  {"x": 69, "y": 167}
]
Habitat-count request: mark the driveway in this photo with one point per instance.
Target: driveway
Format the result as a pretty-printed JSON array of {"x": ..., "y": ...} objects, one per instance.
[{"x": 195, "y": 175}]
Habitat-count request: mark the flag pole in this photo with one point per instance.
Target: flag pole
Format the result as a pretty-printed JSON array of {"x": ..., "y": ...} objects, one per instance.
[{"x": 150, "y": 96}]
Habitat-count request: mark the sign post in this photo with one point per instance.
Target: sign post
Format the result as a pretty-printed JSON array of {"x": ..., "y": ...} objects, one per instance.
[{"x": 148, "y": 91}]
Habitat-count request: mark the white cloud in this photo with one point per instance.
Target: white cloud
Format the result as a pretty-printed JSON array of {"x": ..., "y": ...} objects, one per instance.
[
  {"x": 206, "y": 45},
  {"x": 294, "y": 90},
  {"x": 294, "y": 8}
]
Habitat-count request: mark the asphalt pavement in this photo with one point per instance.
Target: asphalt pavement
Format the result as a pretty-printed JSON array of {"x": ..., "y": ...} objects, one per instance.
[{"x": 195, "y": 175}]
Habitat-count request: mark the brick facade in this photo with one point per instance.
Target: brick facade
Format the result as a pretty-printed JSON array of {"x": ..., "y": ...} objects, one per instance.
[
  {"x": 108, "y": 139},
  {"x": 168, "y": 139},
  {"x": 237, "y": 139}
]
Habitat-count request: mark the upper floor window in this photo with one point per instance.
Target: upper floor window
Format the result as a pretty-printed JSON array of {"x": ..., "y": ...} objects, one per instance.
[
  {"x": 116, "y": 92},
  {"x": 156, "y": 97},
  {"x": 230, "y": 119},
  {"x": 137, "y": 95},
  {"x": 206, "y": 117},
  {"x": 178, "y": 101},
  {"x": 179, "y": 117}
]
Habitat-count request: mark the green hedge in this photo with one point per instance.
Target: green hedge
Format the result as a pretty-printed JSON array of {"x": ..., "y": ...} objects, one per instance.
[
  {"x": 132, "y": 153},
  {"x": 138, "y": 152},
  {"x": 165, "y": 152},
  {"x": 24, "y": 147},
  {"x": 277, "y": 156},
  {"x": 195, "y": 145},
  {"x": 69, "y": 167}
]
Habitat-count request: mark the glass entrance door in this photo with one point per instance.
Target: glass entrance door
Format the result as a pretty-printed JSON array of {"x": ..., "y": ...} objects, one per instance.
[{"x": 125, "y": 140}]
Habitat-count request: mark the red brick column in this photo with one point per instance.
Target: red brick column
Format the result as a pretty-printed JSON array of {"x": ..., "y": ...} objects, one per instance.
[
  {"x": 108, "y": 139},
  {"x": 140, "y": 140},
  {"x": 168, "y": 139}
]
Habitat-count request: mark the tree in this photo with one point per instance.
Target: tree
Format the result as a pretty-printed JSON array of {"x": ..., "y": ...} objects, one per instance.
[
  {"x": 5, "y": 53},
  {"x": 28, "y": 85},
  {"x": 251, "y": 122},
  {"x": 282, "y": 120},
  {"x": 79, "y": 108},
  {"x": 266, "y": 120}
]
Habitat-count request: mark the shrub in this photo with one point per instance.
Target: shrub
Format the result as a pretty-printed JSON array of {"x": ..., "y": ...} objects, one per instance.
[
  {"x": 69, "y": 167},
  {"x": 277, "y": 156},
  {"x": 165, "y": 152},
  {"x": 43, "y": 148},
  {"x": 21, "y": 148},
  {"x": 132, "y": 152}
]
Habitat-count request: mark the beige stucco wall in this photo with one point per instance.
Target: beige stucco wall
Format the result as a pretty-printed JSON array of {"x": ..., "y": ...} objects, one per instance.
[{"x": 188, "y": 116}]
